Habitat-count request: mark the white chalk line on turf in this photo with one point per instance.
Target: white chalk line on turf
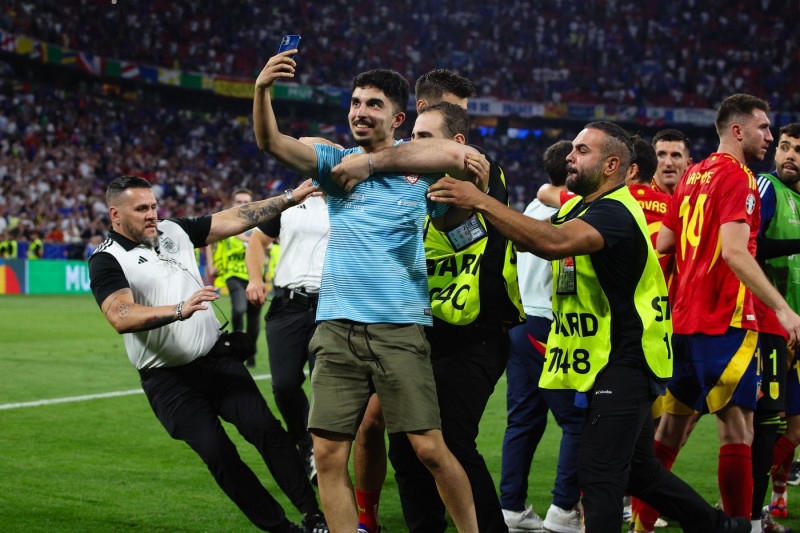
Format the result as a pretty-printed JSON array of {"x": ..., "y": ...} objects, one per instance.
[{"x": 86, "y": 397}]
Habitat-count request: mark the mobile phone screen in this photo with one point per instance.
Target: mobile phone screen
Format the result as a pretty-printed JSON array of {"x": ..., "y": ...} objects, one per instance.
[{"x": 289, "y": 42}]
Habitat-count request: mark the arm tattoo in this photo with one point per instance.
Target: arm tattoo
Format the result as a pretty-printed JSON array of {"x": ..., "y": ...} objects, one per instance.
[
  {"x": 259, "y": 212},
  {"x": 153, "y": 322},
  {"x": 110, "y": 305},
  {"x": 114, "y": 297},
  {"x": 124, "y": 310}
]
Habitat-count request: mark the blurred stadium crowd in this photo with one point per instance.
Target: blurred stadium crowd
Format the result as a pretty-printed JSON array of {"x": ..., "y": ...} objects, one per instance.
[
  {"x": 60, "y": 145},
  {"x": 682, "y": 53}
]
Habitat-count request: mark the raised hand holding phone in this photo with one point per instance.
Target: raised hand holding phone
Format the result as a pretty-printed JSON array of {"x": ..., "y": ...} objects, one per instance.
[{"x": 279, "y": 66}]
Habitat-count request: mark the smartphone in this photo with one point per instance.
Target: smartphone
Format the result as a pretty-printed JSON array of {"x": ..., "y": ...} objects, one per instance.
[{"x": 289, "y": 42}]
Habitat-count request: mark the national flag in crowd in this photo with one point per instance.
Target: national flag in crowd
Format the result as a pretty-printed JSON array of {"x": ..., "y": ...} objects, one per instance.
[
  {"x": 556, "y": 110},
  {"x": 38, "y": 49},
  {"x": 51, "y": 54},
  {"x": 191, "y": 80},
  {"x": 628, "y": 113},
  {"x": 169, "y": 76},
  {"x": 652, "y": 116},
  {"x": 21, "y": 87},
  {"x": 148, "y": 73},
  {"x": 90, "y": 63},
  {"x": 275, "y": 185},
  {"x": 122, "y": 69},
  {"x": 327, "y": 129},
  {"x": 8, "y": 42},
  {"x": 24, "y": 45},
  {"x": 234, "y": 87},
  {"x": 56, "y": 54},
  {"x": 68, "y": 56}
]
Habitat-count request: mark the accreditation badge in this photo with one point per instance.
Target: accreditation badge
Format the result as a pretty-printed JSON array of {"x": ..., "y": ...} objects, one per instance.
[
  {"x": 470, "y": 231},
  {"x": 566, "y": 283}
]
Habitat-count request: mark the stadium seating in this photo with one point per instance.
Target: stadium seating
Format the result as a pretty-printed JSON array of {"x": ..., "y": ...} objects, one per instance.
[{"x": 685, "y": 53}]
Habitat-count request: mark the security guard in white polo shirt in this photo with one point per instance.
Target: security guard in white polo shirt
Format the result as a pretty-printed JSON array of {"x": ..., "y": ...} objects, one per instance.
[
  {"x": 146, "y": 280},
  {"x": 291, "y": 319}
]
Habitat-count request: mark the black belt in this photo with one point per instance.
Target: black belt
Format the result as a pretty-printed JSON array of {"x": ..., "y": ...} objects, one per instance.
[
  {"x": 297, "y": 295},
  {"x": 147, "y": 373}
]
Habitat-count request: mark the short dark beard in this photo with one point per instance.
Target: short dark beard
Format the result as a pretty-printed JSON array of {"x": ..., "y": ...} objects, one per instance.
[
  {"x": 151, "y": 242},
  {"x": 585, "y": 183},
  {"x": 780, "y": 172}
]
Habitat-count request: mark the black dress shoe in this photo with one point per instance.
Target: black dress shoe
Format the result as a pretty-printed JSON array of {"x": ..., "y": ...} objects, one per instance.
[{"x": 733, "y": 524}]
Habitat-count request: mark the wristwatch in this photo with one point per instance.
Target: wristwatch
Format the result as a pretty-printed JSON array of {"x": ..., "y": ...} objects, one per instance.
[{"x": 288, "y": 194}]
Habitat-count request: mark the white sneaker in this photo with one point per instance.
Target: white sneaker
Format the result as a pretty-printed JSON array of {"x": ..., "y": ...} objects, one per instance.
[
  {"x": 523, "y": 521},
  {"x": 660, "y": 522},
  {"x": 311, "y": 468},
  {"x": 563, "y": 521},
  {"x": 627, "y": 513}
]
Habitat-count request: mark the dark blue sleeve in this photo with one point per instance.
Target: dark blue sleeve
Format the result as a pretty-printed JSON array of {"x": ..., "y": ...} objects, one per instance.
[{"x": 769, "y": 201}]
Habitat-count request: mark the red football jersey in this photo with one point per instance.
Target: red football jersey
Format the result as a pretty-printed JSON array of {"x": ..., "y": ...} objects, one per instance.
[
  {"x": 709, "y": 297},
  {"x": 655, "y": 187},
  {"x": 564, "y": 196},
  {"x": 654, "y": 204},
  {"x": 767, "y": 320}
]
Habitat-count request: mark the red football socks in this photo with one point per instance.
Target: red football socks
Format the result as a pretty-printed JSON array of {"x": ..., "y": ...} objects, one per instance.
[
  {"x": 736, "y": 479},
  {"x": 368, "y": 508}
]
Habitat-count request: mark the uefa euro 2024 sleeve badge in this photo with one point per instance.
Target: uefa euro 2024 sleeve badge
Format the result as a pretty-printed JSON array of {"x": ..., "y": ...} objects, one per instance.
[{"x": 750, "y": 203}]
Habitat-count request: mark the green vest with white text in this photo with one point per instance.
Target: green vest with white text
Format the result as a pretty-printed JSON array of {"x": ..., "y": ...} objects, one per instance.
[
  {"x": 229, "y": 259},
  {"x": 579, "y": 344},
  {"x": 472, "y": 269},
  {"x": 784, "y": 271}
]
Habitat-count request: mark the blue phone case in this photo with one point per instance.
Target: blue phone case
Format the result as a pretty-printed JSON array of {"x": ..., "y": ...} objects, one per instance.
[{"x": 289, "y": 42}]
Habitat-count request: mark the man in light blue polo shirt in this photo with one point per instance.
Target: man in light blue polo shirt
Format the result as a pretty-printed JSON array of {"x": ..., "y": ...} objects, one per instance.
[{"x": 374, "y": 293}]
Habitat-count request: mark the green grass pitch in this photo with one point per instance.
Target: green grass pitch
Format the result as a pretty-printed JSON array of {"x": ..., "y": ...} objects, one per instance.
[{"x": 107, "y": 465}]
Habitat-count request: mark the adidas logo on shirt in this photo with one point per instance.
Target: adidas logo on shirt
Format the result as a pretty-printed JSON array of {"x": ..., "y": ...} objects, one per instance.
[{"x": 142, "y": 260}]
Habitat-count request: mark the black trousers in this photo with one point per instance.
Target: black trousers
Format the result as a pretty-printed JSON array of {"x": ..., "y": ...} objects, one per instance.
[
  {"x": 241, "y": 306},
  {"x": 615, "y": 455},
  {"x": 467, "y": 362},
  {"x": 290, "y": 326},
  {"x": 189, "y": 400}
]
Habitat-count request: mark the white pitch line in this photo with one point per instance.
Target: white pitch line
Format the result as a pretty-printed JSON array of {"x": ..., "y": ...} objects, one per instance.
[
  {"x": 87, "y": 397},
  {"x": 83, "y": 398}
]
